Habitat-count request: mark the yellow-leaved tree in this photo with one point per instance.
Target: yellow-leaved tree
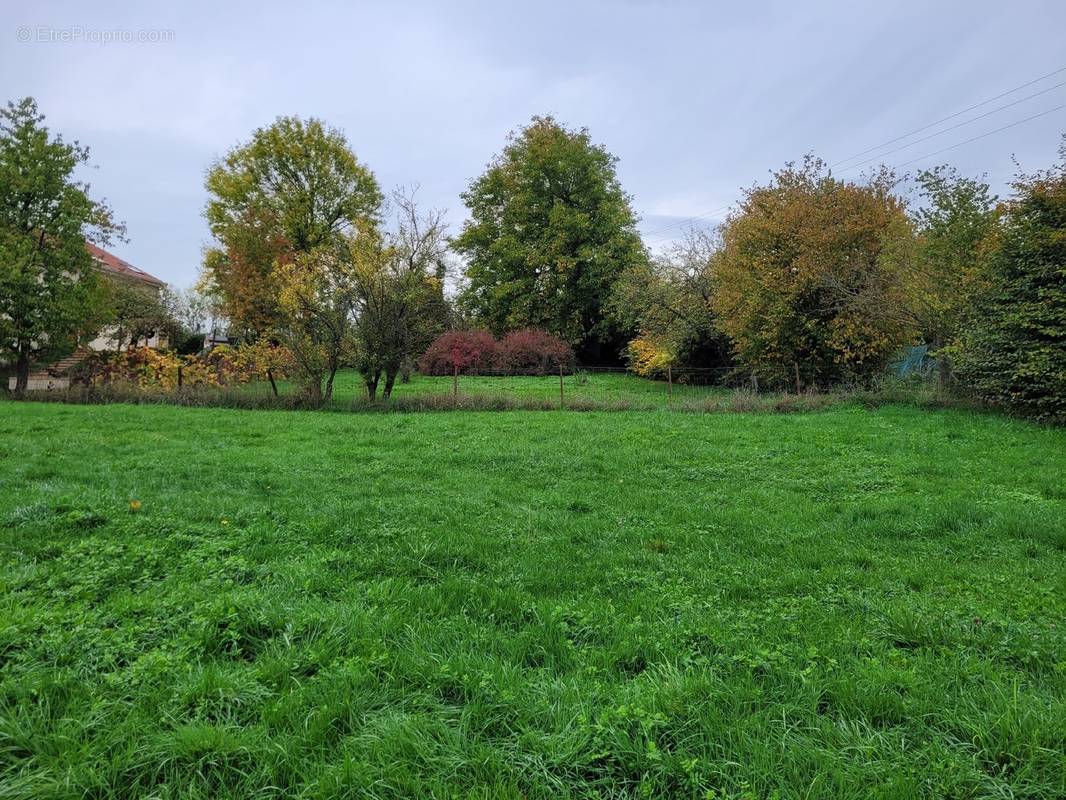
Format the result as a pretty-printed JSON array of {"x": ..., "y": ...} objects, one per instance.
[{"x": 804, "y": 275}]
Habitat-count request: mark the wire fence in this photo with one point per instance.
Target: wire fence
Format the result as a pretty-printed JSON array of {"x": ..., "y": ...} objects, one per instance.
[
  {"x": 596, "y": 384},
  {"x": 585, "y": 388}
]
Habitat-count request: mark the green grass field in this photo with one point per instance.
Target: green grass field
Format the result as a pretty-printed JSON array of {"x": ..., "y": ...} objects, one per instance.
[
  {"x": 848, "y": 603},
  {"x": 603, "y": 387}
]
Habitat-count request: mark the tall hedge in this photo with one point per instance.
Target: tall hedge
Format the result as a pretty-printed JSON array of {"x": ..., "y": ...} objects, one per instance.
[{"x": 1013, "y": 350}]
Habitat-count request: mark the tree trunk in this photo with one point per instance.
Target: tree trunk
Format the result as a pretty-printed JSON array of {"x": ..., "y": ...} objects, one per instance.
[
  {"x": 273, "y": 383},
  {"x": 943, "y": 365},
  {"x": 313, "y": 390},
  {"x": 390, "y": 380},
  {"x": 329, "y": 381},
  {"x": 22, "y": 370}
]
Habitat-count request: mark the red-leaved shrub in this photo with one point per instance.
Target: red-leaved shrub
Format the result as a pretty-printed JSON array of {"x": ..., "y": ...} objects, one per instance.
[
  {"x": 533, "y": 352},
  {"x": 471, "y": 351}
]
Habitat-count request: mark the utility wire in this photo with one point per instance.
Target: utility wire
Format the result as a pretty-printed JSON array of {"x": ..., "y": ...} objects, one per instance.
[
  {"x": 941, "y": 150},
  {"x": 661, "y": 239},
  {"x": 949, "y": 128},
  {"x": 982, "y": 136},
  {"x": 1025, "y": 85},
  {"x": 713, "y": 211},
  {"x": 952, "y": 116}
]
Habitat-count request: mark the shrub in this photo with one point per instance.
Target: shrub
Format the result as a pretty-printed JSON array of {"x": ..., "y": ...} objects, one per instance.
[
  {"x": 189, "y": 344},
  {"x": 264, "y": 360},
  {"x": 533, "y": 352},
  {"x": 145, "y": 368},
  {"x": 141, "y": 367},
  {"x": 472, "y": 351},
  {"x": 1012, "y": 351},
  {"x": 649, "y": 357}
]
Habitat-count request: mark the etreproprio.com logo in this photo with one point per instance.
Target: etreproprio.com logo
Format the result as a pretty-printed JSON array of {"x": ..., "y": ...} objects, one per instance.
[{"x": 80, "y": 34}]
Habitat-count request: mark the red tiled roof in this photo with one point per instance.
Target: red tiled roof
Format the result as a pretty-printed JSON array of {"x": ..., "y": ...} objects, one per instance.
[{"x": 112, "y": 263}]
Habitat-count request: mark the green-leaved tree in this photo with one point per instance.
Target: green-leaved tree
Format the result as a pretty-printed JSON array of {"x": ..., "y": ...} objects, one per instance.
[
  {"x": 550, "y": 232},
  {"x": 49, "y": 291},
  {"x": 1012, "y": 351},
  {"x": 953, "y": 223}
]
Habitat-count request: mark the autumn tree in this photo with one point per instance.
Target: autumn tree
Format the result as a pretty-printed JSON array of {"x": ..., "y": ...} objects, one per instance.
[
  {"x": 316, "y": 313},
  {"x": 666, "y": 305},
  {"x": 239, "y": 273},
  {"x": 550, "y": 231},
  {"x": 399, "y": 279},
  {"x": 1012, "y": 349},
  {"x": 803, "y": 273},
  {"x": 294, "y": 187},
  {"x": 49, "y": 291}
]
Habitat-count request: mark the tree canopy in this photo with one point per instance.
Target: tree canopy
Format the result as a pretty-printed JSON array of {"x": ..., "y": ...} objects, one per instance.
[
  {"x": 295, "y": 186},
  {"x": 550, "y": 232},
  {"x": 803, "y": 272},
  {"x": 954, "y": 224},
  {"x": 1012, "y": 350},
  {"x": 666, "y": 303}
]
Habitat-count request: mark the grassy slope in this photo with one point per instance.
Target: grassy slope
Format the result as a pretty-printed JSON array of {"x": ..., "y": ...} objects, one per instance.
[{"x": 515, "y": 604}]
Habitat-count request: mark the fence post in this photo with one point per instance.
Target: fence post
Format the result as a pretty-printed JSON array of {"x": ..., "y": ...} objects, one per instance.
[
  {"x": 669, "y": 384},
  {"x": 755, "y": 382},
  {"x": 562, "y": 402}
]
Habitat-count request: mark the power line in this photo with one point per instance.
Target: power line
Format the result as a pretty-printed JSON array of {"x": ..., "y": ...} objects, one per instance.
[
  {"x": 952, "y": 116},
  {"x": 943, "y": 149},
  {"x": 950, "y": 128},
  {"x": 982, "y": 136},
  {"x": 713, "y": 211},
  {"x": 718, "y": 211},
  {"x": 661, "y": 239}
]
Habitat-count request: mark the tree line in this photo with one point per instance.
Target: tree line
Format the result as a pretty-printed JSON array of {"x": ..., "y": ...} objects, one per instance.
[{"x": 812, "y": 281}]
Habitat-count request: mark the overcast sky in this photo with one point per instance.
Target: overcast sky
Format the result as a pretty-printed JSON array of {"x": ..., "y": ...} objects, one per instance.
[{"x": 695, "y": 99}]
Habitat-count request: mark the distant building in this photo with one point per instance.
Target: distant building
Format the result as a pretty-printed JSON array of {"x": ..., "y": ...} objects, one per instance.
[{"x": 56, "y": 376}]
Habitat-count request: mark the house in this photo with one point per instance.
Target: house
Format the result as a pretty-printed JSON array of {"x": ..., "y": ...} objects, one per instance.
[
  {"x": 116, "y": 269},
  {"x": 55, "y": 376}
]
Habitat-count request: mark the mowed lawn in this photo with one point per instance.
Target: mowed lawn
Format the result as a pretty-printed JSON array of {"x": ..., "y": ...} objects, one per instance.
[{"x": 848, "y": 603}]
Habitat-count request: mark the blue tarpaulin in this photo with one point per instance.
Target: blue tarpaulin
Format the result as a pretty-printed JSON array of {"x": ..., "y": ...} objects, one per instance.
[{"x": 914, "y": 361}]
